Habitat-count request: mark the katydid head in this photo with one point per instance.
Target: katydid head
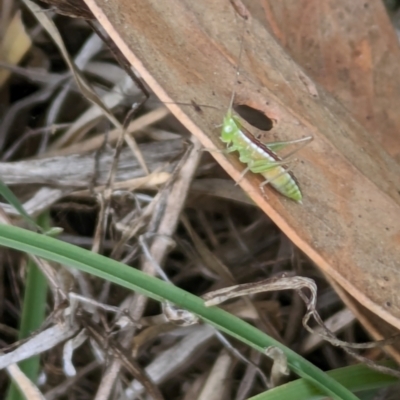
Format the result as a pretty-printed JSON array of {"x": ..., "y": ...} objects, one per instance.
[{"x": 230, "y": 127}]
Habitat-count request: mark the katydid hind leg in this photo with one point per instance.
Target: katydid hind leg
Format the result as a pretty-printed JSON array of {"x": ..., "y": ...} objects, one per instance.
[
  {"x": 276, "y": 146},
  {"x": 260, "y": 166}
]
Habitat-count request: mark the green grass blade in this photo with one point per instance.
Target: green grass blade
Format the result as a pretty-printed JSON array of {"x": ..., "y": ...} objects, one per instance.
[
  {"x": 12, "y": 199},
  {"x": 133, "y": 279},
  {"x": 355, "y": 378},
  {"x": 32, "y": 316}
]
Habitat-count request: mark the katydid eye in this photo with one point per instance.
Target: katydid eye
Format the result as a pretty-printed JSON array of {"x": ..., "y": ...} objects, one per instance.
[{"x": 228, "y": 129}]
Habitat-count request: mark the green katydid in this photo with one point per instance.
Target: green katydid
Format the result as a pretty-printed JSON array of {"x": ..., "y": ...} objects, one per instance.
[{"x": 259, "y": 157}]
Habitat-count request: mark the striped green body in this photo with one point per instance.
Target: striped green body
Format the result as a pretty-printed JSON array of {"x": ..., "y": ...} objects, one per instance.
[{"x": 259, "y": 158}]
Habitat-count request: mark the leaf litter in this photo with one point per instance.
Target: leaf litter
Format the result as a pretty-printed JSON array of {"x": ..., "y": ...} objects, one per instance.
[{"x": 140, "y": 193}]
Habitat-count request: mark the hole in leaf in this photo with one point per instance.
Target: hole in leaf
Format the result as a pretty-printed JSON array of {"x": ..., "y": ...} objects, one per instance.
[{"x": 254, "y": 117}]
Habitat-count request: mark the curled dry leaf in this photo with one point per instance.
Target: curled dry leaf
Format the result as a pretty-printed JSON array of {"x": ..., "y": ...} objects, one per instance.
[{"x": 349, "y": 223}]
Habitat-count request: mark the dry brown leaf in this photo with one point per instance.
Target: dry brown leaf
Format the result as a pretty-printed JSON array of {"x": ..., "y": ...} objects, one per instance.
[
  {"x": 350, "y": 48},
  {"x": 349, "y": 223},
  {"x": 14, "y": 45}
]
